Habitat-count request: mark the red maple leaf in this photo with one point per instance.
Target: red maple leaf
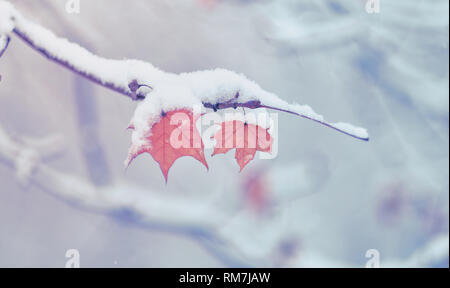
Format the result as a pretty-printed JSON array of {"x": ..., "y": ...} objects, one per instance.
[
  {"x": 172, "y": 137},
  {"x": 245, "y": 138}
]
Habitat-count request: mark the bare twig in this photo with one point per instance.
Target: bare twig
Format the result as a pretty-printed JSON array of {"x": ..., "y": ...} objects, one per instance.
[
  {"x": 315, "y": 120},
  {"x": 4, "y": 42}
]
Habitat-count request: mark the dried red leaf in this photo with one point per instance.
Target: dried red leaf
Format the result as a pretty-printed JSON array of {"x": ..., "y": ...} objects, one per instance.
[
  {"x": 245, "y": 138},
  {"x": 172, "y": 137}
]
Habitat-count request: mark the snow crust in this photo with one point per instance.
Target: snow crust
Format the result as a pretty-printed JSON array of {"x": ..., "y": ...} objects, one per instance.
[{"x": 168, "y": 91}]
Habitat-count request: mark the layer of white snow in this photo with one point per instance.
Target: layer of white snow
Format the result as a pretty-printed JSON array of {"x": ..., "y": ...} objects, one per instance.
[
  {"x": 6, "y": 12},
  {"x": 169, "y": 91}
]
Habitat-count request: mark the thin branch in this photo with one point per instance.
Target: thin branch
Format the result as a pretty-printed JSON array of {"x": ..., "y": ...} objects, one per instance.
[
  {"x": 257, "y": 104},
  {"x": 5, "y": 39},
  {"x": 4, "y": 42},
  {"x": 66, "y": 64},
  {"x": 329, "y": 125}
]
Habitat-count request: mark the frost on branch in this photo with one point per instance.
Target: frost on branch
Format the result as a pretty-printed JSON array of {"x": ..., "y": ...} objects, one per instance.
[{"x": 161, "y": 92}]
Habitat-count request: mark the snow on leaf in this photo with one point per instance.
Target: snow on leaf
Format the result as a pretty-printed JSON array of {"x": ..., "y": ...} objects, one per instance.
[
  {"x": 172, "y": 137},
  {"x": 245, "y": 138}
]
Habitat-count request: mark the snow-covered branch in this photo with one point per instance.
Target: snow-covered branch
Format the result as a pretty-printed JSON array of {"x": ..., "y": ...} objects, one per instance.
[
  {"x": 214, "y": 89},
  {"x": 220, "y": 230},
  {"x": 197, "y": 218},
  {"x": 4, "y": 42}
]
